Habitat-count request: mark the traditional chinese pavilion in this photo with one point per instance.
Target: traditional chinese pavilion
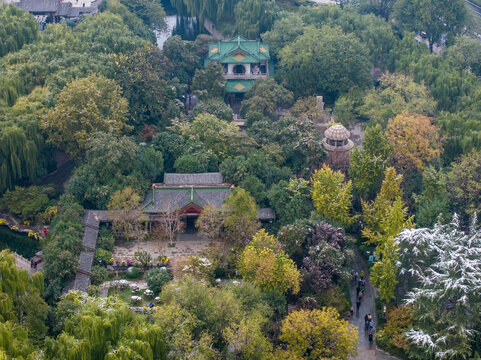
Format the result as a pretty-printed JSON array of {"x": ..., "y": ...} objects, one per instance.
[
  {"x": 243, "y": 62},
  {"x": 186, "y": 195}
]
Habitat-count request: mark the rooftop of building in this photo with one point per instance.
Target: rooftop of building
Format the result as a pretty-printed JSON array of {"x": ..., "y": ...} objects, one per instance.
[{"x": 238, "y": 50}]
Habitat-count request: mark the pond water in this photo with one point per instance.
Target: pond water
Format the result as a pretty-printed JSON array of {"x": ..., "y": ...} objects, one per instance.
[
  {"x": 187, "y": 27},
  {"x": 18, "y": 242}
]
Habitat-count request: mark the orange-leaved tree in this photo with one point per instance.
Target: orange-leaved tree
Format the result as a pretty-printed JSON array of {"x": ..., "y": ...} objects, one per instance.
[{"x": 415, "y": 141}]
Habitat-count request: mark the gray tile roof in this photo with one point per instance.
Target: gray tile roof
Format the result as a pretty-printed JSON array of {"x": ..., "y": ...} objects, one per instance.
[
  {"x": 217, "y": 198},
  {"x": 177, "y": 198},
  {"x": 90, "y": 237},
  {"x": 82, "y": 282},
  {"x": 39, "y": 5},
  {"x": 193, "y": 179},
  {"x": 85, "y": 261},
  {"x": 266, "y": 214},
  {"x": 64, "y": 9}
]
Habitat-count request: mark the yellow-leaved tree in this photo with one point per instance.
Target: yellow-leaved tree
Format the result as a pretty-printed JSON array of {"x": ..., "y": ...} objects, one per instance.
[
  {"x": 265, "y": 263},
  {"x": 332, "y": 195},
  {"x": 319, "y": 334},
  {"x": 415, "y": 141},
  {"x": 384, "y": 218}
]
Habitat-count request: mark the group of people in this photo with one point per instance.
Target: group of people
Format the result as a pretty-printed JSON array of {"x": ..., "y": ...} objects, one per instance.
[
  {"x": 361, "y": 284},
  {"x": 360, "y": 289},
  {"x": 369, "y": 326}
]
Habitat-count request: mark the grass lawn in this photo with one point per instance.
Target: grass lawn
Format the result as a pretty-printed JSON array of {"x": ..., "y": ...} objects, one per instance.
[{"x": 126, "y": 295}]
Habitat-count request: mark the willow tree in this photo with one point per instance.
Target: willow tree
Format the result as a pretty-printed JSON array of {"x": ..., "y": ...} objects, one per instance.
[
  {"x": 17, "y": 28},
  {"x": 18, "y": 157}
]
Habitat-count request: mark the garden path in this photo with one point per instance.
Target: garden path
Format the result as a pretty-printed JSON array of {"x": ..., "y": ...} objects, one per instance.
[{"x": 366, "y": 350}]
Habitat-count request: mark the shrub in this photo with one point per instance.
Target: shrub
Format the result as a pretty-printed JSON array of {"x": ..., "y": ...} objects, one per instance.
[
  {"x": 143, "y": 258},
  {"x": 102, "y": 256},
  {"x": 334, "y": 297},
  {"x": 93, "y": 290},
  {"x": 98, "y": 275},
  {"x": 133, "y": 273},
  {"x": 27, "y": 202},
  {"x": 399, "y": 320},
  {"x": 156, "y": 278},
  {"x": 106, "y": 239}
]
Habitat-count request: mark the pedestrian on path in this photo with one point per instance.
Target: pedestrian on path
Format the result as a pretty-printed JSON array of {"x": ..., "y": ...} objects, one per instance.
[
  {"x": 356, "y": 275},
  {"x": 362, "y": 275},
  {"x": 358, "y": 304},
  {"x": 360, "y": 295},
  {"x": 371, "y": 335},
  {"x": 371, "y": 325},
  {"x": 351, "y": 311},
  {"x": 366, "y": 322}
]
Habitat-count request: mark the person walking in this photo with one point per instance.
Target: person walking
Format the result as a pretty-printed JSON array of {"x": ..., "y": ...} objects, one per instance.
[
  {"x": 371, "y": 335},
  {"x": 371, "y": 325},
  {"x": 351, "y": 311},
  {"x": 360, "y": 295},
  {"x": 356, "y": 275},
  {"x": 366, "y": 322},
  {"x": 358, "y": 304}
]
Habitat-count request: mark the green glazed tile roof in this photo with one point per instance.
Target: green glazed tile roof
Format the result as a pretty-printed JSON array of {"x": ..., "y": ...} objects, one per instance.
[
  {"x": 238, "y": 50},
  {"x": 238, "y": 86}
]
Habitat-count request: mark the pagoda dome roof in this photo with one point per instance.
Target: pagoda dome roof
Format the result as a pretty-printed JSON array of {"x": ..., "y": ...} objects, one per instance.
[{"x": 337, "y": 132}]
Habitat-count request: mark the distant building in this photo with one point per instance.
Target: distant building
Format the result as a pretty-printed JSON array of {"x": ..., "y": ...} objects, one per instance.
[
  {"x": 53, "y": 11},
  {"x": 243, "y": 62},
  {"x": 186, "y": 195},
  {"x": 338, "y": 146}
]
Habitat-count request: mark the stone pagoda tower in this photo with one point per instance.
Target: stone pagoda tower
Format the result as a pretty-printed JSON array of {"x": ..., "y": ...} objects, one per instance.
[{"x": 338, "y": 146}]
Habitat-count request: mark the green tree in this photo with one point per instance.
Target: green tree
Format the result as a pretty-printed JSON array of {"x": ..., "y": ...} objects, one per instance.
[
  {"x": 133, "y": 22},
  {"x": 285, "y": 29},
  {"x": 254, "y": 17},
  {"x": 16, "y": 28},
  {"x": 435, "y": 17},
  {"x": 396, "y": 93},
  {"x": 150, "y": 11},
  {"x": 319, "y": 334},
  {"x": 84, "y": 107},
  {"x": 127, "y": 217},
  {"x": 209, "y": 83},
  {"x": 209, "y": 223},
  {"x": 22, "y": 305},
  {"x": 368, "y": 164},
  {"x": 384, "y": 272},
  {"x": 156, "y": 278},
  {"x": 240, "y": 217},
  {"x": 151, "y": 97},
  {"x": 434, "y": 199},
  {"x": 464, "y": 183},
  {"x": 291, "y": 200},
  {"x": 27, "y": 203},
  {"x": 216, "y": 107},
  {"x": 181, "y": 58},
  {"x": 221, "y": 137},
  {"x": 332, "y": 195},
  {"x": 386, "y": 216},
  {"x": 324, "y": 61},
  {"x": 264, "y": 263},
  {"x": 265, "y": 97}
]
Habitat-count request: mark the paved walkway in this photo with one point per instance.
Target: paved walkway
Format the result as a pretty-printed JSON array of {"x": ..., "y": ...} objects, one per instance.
[{"x": 366, "y": 350}]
